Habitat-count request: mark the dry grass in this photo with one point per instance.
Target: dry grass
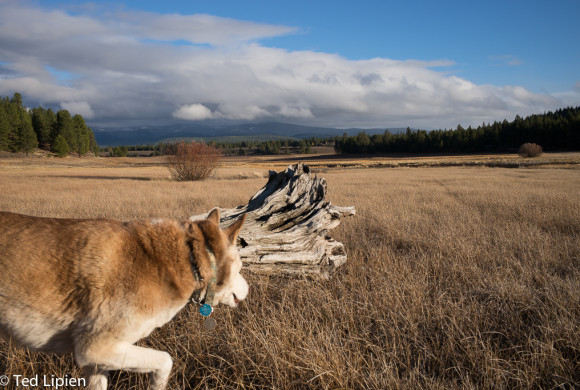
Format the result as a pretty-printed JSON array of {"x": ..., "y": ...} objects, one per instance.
[{"x": 457, "y": 278}]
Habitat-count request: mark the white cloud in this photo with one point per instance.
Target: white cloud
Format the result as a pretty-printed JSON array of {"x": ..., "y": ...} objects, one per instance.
[
  {"x": 291, "y": 111},
  {"x": 506, "y": 59},
  {"x": 134, "y": 66},
  {"x": 193, "y": 112},
  {"x": 204, "y": 29},
  {"x": 82, "y": 108}
]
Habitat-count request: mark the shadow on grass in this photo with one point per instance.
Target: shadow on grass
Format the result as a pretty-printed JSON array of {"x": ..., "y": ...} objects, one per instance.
[{"x": 86, "y": 177}]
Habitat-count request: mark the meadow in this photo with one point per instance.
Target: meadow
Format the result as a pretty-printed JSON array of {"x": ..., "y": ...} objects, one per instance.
[{"x": 458, "y": 277}]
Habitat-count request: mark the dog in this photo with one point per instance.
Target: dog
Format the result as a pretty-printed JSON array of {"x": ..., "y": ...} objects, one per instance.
[{"x": 94, "y": 287}]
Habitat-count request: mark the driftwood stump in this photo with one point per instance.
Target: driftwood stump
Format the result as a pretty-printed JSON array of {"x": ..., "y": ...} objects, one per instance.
[{"x": 286, "y": 226}]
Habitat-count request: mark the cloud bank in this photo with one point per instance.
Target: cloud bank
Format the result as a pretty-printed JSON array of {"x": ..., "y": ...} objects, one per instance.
[
  {"x": 193, "y": 112},
  {"x": 114, "y": 66}
]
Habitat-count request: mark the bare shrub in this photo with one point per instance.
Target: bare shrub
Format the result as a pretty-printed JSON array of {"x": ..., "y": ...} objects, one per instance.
[
  {"x": 530, "y": 150},
  {"x": 192, "y": 161}
]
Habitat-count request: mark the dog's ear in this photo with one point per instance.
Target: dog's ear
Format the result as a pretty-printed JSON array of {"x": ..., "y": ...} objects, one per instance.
[
  {"x": 214, "y": 216},
  {"x": 233, "y": 230},
  {"x": 193, "y": 233}
]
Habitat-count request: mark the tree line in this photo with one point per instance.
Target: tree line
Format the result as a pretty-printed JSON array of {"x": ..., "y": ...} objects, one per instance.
[
  {"x": 23, "y": 130},
  {"x": 286, "y": 146},
  {"x": 559, "y": 130}
]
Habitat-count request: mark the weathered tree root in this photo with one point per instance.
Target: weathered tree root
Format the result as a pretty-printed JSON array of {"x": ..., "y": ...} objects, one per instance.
[{"x": 286, "y": 226}]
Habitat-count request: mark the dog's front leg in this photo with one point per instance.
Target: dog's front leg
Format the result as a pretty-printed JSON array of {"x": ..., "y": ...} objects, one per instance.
[
  {"x": 96, "y": 379},
  {"x": 124, "y": 357}
]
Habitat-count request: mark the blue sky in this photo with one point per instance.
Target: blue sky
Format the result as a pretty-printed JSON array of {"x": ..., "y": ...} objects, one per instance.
[{"x": 337, "y": 63}]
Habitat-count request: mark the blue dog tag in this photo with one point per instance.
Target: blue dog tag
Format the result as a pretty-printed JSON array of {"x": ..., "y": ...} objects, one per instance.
[{"x": 205, "y": 310}]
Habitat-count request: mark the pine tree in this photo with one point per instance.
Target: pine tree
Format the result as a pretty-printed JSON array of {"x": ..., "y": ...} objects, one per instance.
[
  {"x": 13, "y": 108},
  {"x": 93, "y": 146},
  {"x": 26, "y": 137},
  {"x": 43, "y": 122},
  {"x": 60, "y": 146},
  {"x": 82, "y": 136},
  {"x": 4, "y": 128},
  {"x": 17, "y": 100},
  {"x": 65, "y": 126}
]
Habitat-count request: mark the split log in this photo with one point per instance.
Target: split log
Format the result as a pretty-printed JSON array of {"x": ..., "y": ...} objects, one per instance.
[{"x": 286, "y": 226}]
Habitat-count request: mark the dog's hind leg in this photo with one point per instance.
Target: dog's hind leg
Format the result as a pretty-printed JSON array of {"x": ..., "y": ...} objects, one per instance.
[{"x": 127, "y": 357}]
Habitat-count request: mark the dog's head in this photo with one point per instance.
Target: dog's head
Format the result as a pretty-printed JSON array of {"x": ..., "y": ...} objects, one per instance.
[{"x": 218, "y": 261}]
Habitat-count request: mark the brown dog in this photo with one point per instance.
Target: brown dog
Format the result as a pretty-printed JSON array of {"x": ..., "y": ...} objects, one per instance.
[{"x": 95, "y": 287}]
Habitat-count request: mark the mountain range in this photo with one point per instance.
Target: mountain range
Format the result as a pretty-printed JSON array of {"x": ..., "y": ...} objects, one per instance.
[{"x": 146, "y": 135}]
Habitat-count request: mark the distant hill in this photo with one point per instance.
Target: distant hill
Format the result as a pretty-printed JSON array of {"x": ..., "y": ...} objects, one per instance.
[
  {"x": 233, "y": 138},
  {"x": 145, "y": 135}
]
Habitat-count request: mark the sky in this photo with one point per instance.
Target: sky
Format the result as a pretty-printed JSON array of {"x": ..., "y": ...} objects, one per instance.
[{"x": 368, "y": 64}]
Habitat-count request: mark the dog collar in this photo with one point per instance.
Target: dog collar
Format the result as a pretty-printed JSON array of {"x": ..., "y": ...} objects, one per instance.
[
  {"x": 210, "y": 292},
  {"x": 207, "y": 308},
  {"x": 194, "y": 268}
]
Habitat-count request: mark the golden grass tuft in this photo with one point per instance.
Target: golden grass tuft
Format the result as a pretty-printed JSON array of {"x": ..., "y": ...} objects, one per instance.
[{"x": 456, "y": 278}]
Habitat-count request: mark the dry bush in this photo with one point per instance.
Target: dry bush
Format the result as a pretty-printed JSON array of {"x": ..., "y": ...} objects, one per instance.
[
  {"x": 457, "y": 278},
  {"x": 530, "y": 150},
  {"x": 192, "y": 161}
]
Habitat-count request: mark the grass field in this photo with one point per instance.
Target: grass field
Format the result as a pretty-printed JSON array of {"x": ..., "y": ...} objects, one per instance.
[{"x": 458, "y": 277}]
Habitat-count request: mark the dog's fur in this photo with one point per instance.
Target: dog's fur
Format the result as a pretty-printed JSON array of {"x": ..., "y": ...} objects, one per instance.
[{"x": 94, "y": 287}]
